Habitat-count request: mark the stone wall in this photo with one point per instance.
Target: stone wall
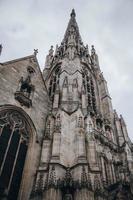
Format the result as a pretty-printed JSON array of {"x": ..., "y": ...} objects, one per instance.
[{"x": 10, "y": 75}]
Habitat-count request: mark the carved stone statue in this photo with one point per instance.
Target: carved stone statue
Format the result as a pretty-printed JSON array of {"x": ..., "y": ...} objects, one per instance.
[{"x": 26, "y": 86}]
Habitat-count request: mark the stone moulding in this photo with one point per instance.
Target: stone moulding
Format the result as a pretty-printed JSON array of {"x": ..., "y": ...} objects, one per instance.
[{"x": 23, "y": 100}]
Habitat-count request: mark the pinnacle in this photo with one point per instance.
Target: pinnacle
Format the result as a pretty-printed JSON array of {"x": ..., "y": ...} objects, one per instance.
[
  {"x": 73, "y": 14},
  {"x": 72, "y": 27}
]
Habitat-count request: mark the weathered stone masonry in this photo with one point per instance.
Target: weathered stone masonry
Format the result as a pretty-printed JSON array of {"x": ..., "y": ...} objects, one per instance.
[{"x": 58, "y": 130}]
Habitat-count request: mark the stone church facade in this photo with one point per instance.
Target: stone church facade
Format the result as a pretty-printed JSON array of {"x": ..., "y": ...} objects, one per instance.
[{"x": 60, "y": 138}]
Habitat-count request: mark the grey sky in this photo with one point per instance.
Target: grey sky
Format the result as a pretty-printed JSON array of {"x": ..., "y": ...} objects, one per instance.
[{"x": 29, "y": 24}]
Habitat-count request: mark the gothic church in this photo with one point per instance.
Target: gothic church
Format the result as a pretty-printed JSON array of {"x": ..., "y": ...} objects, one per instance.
[{"x": 60, "y": 138}]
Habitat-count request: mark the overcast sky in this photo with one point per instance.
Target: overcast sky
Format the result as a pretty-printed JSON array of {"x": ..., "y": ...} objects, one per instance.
[{"x": 108, "y": 24}]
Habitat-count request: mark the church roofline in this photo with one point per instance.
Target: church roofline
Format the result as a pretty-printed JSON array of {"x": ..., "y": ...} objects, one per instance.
[
  {"x": 25, "y": 58},
  {"x": 18, "y": 59}
]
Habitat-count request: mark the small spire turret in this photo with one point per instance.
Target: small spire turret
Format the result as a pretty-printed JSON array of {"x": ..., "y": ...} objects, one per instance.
[
  {"x": 73, "y": 14},
  {"x": 1, "y": 48}
]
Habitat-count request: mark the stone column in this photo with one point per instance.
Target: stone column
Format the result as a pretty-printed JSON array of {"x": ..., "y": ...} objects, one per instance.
[
  {"x": 103, "y": 170},
  {"x": 45, "y": 151},
  {"x": 81, "y": 146},
  {"x": 56, "y": 146},
  {"x": 91, "y": 154}
]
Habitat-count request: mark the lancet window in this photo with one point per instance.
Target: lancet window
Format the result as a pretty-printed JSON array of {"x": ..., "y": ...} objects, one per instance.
[
  {"x": 53, "y": 83},
  {"x": 14, "y": 139},
  {"x": 90, "y": 90}
]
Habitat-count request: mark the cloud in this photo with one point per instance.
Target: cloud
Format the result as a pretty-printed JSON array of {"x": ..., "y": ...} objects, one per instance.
[{"x": 26, "y": 25}]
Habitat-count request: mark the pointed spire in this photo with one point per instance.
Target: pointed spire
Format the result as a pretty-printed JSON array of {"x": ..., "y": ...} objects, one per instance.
[
  {"x": 73, "y": 14},
  {"x": 93, "y": 51},
  {"x": 72, "y": 25},
  {"x": 116, "y": 115}
]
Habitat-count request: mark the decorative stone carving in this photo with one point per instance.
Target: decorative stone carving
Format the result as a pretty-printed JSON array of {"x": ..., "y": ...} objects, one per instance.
[
  {"x": 81, "y": 147},
  {"x": 26, "y": 88}
]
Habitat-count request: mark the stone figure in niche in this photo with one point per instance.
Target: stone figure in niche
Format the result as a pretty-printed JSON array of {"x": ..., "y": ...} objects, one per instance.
[
  {"x": 26, "y": 89},
  {"x": 26, "y": 85}
]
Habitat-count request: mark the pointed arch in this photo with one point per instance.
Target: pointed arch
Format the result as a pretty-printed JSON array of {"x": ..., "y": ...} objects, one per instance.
[{"x": 18, "y": 137}]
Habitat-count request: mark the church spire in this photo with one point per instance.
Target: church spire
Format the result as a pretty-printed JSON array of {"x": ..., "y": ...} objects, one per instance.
[
  {"x": 73, "y": 14},
  {"x": 72, "y": 28}
]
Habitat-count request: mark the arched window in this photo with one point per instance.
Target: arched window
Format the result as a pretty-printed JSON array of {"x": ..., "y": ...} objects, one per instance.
[
  {"x": 90, "y": 91},
  {"x": 53, "y": 83},
  {"x": 14, "y": 139}
]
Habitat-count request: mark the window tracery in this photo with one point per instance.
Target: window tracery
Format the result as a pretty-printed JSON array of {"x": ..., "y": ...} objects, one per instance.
[
  {"x": 90, "y": 90},
  {"x": 14, "y": 139},
  {"x": 53, "y": 83}
]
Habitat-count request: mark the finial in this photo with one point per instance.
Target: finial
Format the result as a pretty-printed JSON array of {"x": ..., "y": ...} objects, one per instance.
[
  {"x": 92, "y": 46},
  {"x": 1, "y": 48},
  {"x": 51, "y": 51},
  {"x": 35, "y": 52},
  {"x": 73, "y": 13},
  {"x": 93, "y": 51}
]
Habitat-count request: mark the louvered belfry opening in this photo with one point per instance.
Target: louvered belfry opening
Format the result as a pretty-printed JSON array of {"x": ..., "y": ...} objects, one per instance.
[{"x": 14, "y": 139}]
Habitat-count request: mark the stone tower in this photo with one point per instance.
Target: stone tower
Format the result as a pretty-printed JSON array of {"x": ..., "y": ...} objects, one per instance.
[
  {"x": 86, "y": 152},
  {"x": 60, "y": 138}
]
